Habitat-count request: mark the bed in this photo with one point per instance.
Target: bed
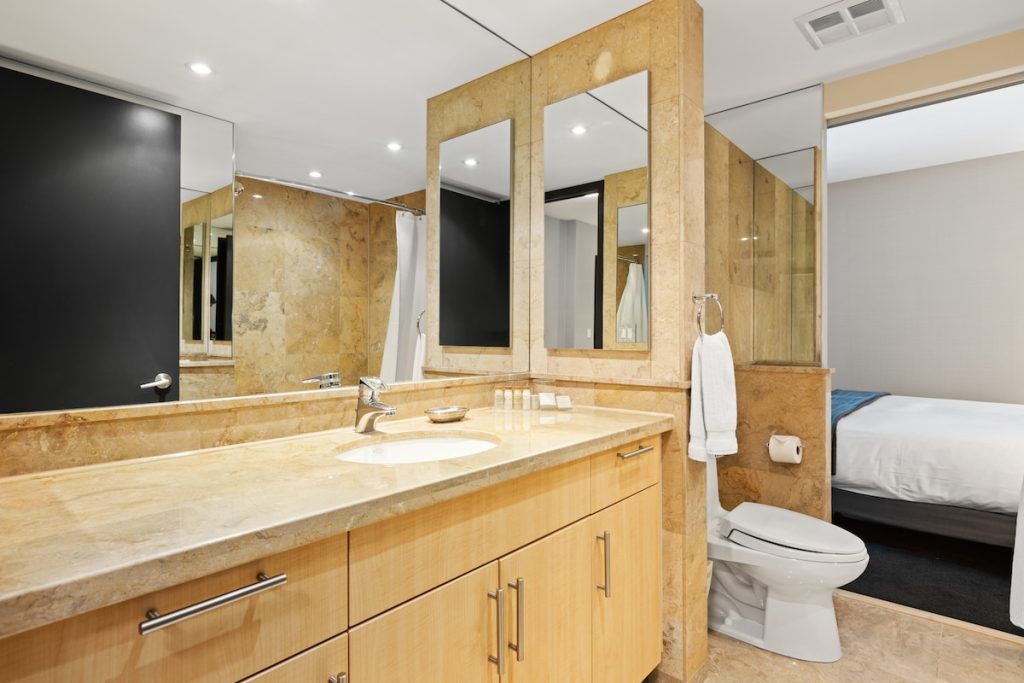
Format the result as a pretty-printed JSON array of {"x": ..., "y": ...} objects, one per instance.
[{"x": 941, "y": 466}]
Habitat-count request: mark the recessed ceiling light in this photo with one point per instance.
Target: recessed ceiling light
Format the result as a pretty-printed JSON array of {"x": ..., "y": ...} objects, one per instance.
[
  {"x": 592, "y": 195},
  {"x": 350, "y": 194},
  {"x": 579, "y": 129},
  {"x": 200, "y": 68},
  {"x": 394, "y": 146},
  {"x": 470, "y": 162},
  {"x": 257, "y": 196},
  {"x": 645, "y": 230},
  {"x": 316, "y": 174}
]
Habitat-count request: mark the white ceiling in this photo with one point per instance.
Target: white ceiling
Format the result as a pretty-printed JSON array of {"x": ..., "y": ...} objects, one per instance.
[
  {"x": 326, "y": 84},
  {"x": 753, "y": 49},
  {"x": 981, "y": 125},
  {"x": 582, "y": 209},
  {"x": 776, "y": 126}
]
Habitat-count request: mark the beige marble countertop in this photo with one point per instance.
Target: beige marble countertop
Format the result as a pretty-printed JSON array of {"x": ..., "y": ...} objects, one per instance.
[{"x": 79, "y": 539}]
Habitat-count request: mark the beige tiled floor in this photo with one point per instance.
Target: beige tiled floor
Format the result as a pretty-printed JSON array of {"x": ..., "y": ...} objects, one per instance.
[{"x": 885, "y": 643}]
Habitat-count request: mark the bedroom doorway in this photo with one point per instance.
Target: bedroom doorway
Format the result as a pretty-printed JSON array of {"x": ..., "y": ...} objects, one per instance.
[{"x": 924, "y": 330}]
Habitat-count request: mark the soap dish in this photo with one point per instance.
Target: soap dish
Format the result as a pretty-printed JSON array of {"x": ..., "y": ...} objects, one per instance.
[{"x": 446, "y": 414}]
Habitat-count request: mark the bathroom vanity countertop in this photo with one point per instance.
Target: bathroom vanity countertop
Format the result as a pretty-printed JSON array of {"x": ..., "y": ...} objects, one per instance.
[{"x": 79, "y": 539}]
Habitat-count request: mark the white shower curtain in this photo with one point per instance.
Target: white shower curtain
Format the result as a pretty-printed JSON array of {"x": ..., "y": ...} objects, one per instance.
[
  {"x": 631, "y": 319},
  {"x": 404, "y": 345}
]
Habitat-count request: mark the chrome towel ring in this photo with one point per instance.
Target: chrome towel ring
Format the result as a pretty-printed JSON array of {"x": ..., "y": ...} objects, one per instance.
[{"x": 700, "y": 300}]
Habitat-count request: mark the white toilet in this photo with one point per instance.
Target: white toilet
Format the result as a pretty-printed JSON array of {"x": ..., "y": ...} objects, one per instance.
[{"x": 774, "y": 573}]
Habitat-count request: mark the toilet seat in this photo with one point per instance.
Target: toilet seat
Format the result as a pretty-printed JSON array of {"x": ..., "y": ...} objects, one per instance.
[{"x": 785, "y": 533}]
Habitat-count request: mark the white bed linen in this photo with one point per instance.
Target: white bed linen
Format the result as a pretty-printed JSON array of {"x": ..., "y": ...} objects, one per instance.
[{"x": 927, "y": 450}]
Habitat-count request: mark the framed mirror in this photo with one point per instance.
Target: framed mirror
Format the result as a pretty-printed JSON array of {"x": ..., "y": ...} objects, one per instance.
[
  {"x": 595, "y": 218},
  {"x": 476, "y": 238}
]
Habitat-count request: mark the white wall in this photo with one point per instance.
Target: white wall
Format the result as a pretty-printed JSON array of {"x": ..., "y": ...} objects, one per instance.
[{"x": 926, "y": 281}]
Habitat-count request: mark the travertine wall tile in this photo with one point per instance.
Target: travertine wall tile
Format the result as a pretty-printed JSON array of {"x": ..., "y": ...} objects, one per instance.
[{"x": 781, "y": 400}]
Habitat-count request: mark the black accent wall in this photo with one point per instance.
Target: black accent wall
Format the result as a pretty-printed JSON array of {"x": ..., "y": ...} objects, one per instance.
[
  {"x": 476, "y": 257},
  {"x": 89, "y": 186}
]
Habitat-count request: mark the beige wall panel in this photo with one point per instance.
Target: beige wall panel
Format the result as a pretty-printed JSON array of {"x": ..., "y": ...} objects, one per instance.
[{"x": 781, "y": 400}]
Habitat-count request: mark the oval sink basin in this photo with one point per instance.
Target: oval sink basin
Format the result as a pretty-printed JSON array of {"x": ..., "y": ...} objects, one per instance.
[{"x": 416, "y": 449}]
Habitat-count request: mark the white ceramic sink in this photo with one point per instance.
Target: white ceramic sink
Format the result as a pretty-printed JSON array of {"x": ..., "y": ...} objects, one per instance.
[{"x": 416, "y": 449}]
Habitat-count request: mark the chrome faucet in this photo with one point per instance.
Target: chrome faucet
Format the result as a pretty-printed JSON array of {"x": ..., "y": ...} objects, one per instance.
[{"x": 369, "y": 407}]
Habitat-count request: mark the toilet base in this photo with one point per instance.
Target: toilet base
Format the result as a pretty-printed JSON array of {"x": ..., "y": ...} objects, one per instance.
[{"x": 797, "y": 623}]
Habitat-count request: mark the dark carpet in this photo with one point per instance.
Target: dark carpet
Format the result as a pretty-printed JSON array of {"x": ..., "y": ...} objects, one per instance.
[{"x": 954, "y": 578}]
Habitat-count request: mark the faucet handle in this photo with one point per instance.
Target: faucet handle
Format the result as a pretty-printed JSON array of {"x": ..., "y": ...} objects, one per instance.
[{"x": 374, "y": 384}]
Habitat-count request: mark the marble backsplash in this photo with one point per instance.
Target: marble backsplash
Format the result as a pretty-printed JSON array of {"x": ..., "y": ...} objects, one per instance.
[{"x": 38, "y": 442}]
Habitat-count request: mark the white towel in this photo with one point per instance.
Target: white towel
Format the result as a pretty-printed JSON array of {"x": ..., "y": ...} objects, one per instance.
[
  {"x": 1017, "y": 575},
  {"x": 417, "y": 362},
  {"x": 631, "y": 318},
  {"x": 712, "y": 398}
]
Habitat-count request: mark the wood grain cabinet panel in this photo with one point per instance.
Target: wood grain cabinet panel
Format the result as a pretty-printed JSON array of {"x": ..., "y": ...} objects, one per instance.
[
  {"x": 619, "y": 473},
  {"x": 447, "y": 635},
  {"x": 225, "y": 644},
  {"x": 316, "y": 665},
  {"x": 627, "y": 618},
  {"x": 402, "y": 557},
  {"x": 552, "y": 611}
]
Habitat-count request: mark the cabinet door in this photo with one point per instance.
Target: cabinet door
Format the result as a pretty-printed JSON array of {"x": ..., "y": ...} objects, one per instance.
[
  {"x": 626, "y": 590},
  {"x": 547, "y": 610},
  {"x": 446, "y": 635},
  {"x": 325, "y": 662}
]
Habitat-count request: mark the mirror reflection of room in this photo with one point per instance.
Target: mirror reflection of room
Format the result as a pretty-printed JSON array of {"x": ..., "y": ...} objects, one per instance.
[
  {"x": 596, "y": 232},
  {"x": 762, "y": 232}
]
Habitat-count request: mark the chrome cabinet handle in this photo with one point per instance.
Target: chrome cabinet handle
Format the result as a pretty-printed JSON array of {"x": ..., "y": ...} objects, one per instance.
[
  {"x": 161, "y": 381},
  {"x": 519, "y": 586},
  {"x": 340, "y": 677},
  {"x": 499, "y": 597},
  {"x": 156, "y": 621},
  {"x": 640, "y": 451},
  {"x": 607, "y": 585}
]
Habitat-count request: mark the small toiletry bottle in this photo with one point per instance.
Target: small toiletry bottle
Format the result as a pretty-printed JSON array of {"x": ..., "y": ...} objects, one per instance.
[
  {"x": 499, "y": 399},
  {"x": 535, "y": 402},
  {"x": 527, "y": 401},
  {"x": 517, "y": 398},
  {"x": 508, "y": 399}
]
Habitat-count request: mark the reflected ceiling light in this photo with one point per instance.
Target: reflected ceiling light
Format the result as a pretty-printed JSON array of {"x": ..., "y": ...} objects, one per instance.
[
  {"x": 471, "y": 162},
  {"x": 592, "y": 195},
  {"x": 316, "y": 174},
  {"x": 350, "y": 194},
  {"x": 579, "y": 129},
  {"x": 645, "y": 230},
  {"x": 257, "y": 196},
  {"x": 200, "y": 68},
  {"x": 394, "y": 146}
]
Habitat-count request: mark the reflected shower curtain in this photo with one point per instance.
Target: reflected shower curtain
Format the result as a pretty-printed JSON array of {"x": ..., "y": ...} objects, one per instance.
[
  {"x": 631, "y": 319},
  {"x": 404, "y": 345}
]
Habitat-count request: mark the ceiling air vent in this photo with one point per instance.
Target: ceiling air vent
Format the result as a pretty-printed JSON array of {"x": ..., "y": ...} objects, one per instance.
[{"x": 848, "y": 19}]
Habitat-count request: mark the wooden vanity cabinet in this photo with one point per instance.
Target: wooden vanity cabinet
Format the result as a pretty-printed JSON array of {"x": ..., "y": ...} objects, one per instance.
[
  {"x": 224, "y": 644},
  {"x": 553, "y": 576},
  {"x": 446, "y": 635},
  {"x": 626, "y": 562}
]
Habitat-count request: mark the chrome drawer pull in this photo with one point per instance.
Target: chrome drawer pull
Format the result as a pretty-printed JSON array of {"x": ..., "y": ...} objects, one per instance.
[
  {"x": 607, "y": 585},
  {"x": 499, "y": 597},
  {"x": 639, "y": 451},
  {"x": 155, "y": 621},
  {"x": 519, "y": 586},
  {"x": 340, "y": 677}
]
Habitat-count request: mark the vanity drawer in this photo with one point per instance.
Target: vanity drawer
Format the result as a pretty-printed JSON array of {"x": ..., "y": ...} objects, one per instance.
[
  {"x": 402, "y": 557},
  {"x": 318, "y": 665},
  {"x": 226, "y": 643},
  {"x": 620, "y": 472}
]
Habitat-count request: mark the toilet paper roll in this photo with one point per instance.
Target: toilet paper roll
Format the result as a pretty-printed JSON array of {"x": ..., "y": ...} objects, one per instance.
[{"x": 787, "y": 449}]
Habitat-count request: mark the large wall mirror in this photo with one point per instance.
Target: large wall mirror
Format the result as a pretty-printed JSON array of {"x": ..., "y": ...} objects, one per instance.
[
  {"x": 762, "y": 165},
  {"x": 476, "y": 249},
  {"x": 596, "y": 227}
]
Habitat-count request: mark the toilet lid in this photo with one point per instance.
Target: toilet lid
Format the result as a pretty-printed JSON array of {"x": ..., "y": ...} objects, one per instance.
[{"x": 789, "y": 529}]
